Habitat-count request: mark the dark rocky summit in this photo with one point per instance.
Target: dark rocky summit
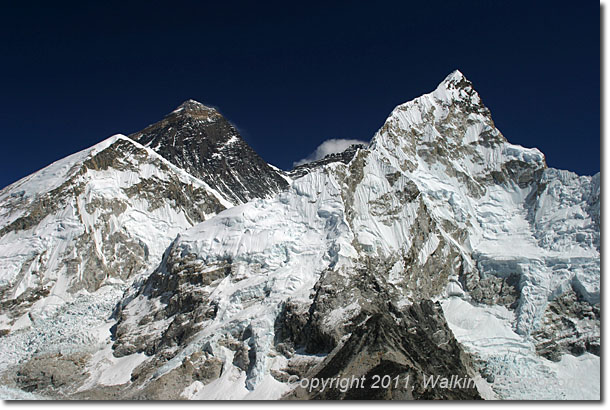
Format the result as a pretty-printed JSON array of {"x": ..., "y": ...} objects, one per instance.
[{"x": 201, "y": 141}]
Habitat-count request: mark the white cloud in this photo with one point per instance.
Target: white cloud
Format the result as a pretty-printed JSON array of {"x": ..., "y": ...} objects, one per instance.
[{"x": 331, "y": 146}]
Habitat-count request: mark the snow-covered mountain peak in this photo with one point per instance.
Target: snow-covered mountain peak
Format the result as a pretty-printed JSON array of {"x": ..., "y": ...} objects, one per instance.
[
  {"x": 53, "y": 175},
  {"x": 453, "y": 100},
  {"x": 455, "y": 75},
  {"x": 105, "y": 213},
  {"x": 451, "y": 128},
  {"x": 455, "y": 79},
  {"x": 456, "y": 88}
]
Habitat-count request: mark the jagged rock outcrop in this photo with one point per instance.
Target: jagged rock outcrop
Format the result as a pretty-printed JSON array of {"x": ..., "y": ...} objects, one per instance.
[
  {"x": 570, "y": 325},
  {"x": 406, "y": 348}
]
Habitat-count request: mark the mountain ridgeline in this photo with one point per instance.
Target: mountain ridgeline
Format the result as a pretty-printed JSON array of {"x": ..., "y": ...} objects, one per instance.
[
  {"x": 175, "y": 263},
  {"x": 199, "y": 140}
]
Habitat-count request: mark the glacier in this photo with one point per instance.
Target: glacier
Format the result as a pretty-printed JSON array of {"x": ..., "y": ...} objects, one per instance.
[{"x": 230, "y": 305}]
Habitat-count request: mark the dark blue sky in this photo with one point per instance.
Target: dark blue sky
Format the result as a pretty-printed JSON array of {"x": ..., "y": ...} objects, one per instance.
[{"x": 291, "y": 76}]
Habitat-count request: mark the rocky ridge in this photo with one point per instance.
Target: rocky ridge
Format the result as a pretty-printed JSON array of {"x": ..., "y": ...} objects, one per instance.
[{"x": 344, "y": 156}]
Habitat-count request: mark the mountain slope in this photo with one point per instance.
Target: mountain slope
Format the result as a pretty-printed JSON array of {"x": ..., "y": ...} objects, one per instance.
[
  {"x": 439, "y": 193},
  {"x": 106, "y": 213},
  {"x": 111, "y": 210},
  {"x": 439, "y": 249},
  {"x": 201, "y": 141}
]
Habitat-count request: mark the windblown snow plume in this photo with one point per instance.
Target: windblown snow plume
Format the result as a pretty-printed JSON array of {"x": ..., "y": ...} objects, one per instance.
[
  {"x": 328, "y": 147},
  {"x": 437, "y": 262}
]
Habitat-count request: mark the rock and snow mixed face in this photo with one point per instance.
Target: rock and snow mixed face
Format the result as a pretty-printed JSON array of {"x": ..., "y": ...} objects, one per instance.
[
  {"x": 100, "y": 216},
  {"x": 109, "y": 212},
  {"x": 284, "y": 285},
  {"x": 438, "y": 193}
]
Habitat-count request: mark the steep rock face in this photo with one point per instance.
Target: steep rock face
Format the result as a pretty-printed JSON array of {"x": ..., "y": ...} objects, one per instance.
[
  {"x": 406, "y": 348},
  {"x": 570, "y": 325},
  {"x": 199, "y": 140},
  {"x": 438, "y": 194},
  {"x": 100, "y": 216}
]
